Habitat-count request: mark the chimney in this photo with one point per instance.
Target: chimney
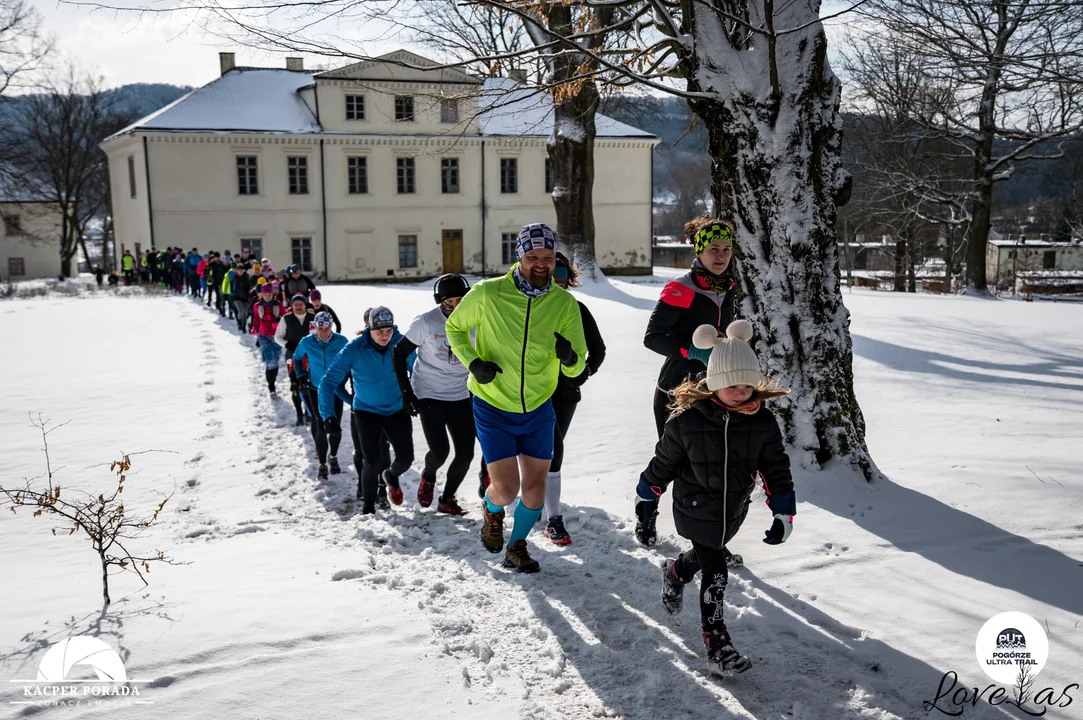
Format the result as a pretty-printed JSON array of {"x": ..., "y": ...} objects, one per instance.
[
  {"x": 1022, "y": 239},
  {"x": 226, "y": 62},
  {"x": 518, "y": 76},
  {"x": 295, "y": 63}
]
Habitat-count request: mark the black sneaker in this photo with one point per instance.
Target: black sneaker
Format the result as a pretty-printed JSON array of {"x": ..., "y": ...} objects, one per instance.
[
  {"x": 554, "y": 530},
  {"x": 672, "y": 589},
  {"x": 335, "y": 469},
  {"x": 722, "y": 658},
  {"x": 492, "y": 529},
  {"x": 321, "y": 474},
  {"x": 381, "y": 498},
  {"x": 517, "y": 557}
]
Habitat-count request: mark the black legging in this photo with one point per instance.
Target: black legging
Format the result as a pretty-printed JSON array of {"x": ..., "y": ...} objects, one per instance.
[
  {"x": 384, "y": 458},
  {"x": 399, "y": 432},
  {"x": 438, "y": 418},
  {"x": 565, "y": 410},
  {"x": 712, "y": 585},
  {"x": 319, "y": 432},
  {"x": 295, "y": 386}
]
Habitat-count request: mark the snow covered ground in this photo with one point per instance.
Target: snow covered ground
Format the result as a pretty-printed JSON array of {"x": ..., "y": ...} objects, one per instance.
[{"x": 292, "y": 606}]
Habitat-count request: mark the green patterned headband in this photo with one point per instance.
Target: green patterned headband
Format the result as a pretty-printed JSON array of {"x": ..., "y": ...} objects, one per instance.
[{"x": 710, "y": 233}]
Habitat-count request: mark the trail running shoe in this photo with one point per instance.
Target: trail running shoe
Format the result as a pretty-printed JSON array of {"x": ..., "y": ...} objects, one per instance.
[
  {"x": 394, "y": 490},
  {"x": 492, "y": 529},
  {"x": 517, "y": 557},
  {"x": 449, "y": 506},
  {"x": 381, "y": 498},
  {"x": 321, "y": 474},
  {"x": 554, "y": 530},
  {"x": 425, "y": 490},
  {"x": 335, "y": 469}
]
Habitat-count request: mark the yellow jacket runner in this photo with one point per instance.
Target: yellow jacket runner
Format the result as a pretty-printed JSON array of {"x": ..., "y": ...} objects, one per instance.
[{"x": 516, "y": 333}]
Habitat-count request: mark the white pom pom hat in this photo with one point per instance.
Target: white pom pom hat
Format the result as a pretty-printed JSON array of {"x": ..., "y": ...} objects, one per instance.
[{"x": 732, "y": 361}]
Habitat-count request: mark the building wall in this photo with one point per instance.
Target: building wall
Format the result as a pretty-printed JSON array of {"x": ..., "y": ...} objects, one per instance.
[
  {"x": 38, "y": 245},
  {"x": 131, "y": 217},
  {"x": 197, "y": 204},
  {"x": 1003, "y": 261}
]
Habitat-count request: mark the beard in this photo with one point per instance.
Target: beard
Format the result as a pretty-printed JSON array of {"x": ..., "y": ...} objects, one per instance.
[{"x": 539, "y": 277}]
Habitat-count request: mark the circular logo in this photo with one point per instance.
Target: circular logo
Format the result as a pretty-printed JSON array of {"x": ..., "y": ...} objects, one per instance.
[
  {"x": 81, "y": 650},
  {"x": 1012, "y": 646}
]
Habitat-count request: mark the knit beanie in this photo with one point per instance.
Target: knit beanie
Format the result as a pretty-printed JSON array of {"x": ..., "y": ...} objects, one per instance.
[
  {"x": 732, "y": 361},
  {"x": 535, "y": 236}
]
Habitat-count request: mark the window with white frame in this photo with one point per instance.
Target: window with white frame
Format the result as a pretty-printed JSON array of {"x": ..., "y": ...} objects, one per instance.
[
  {"x": 406, "y": 178},
  {"x": 407, "y": 251},
  {"x": 357, "y": 175},
  {"x": 254, "y": 246},
  {"x": 404, "y": 108},
  {"x": 449, "y": 176},
  {"x": 247, "y": 175},
  {"x": 449, "y": 111},
  {"x": 302, "y": 253},
  {"x": 509, "y": 175},
  {"x": 355, "y": 107},
  {"x": 298, "y": 171},
  {"x": 507, "y": 247}
]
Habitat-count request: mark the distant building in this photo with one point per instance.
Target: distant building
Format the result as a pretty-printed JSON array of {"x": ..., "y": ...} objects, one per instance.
[
  {"x": 374, "y": 171},
  {"x": 1009, "y": 258},
  {"x": 30, "y": 248}
]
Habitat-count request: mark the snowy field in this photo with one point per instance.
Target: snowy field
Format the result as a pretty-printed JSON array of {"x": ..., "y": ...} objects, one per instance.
[{"x": 291, "y": 606}]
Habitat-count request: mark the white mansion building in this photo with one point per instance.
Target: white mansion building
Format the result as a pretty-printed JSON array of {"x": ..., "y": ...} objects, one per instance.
[{"x": 373, "y": 171}]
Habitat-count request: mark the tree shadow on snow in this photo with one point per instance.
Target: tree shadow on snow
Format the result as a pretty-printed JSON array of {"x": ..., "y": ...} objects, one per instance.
[
  {"x": 600, "y": 599},
  {"x": 926, "y": 362},
  {"x": 603, "y": 289},
  {"x": 957, "y": 541}
]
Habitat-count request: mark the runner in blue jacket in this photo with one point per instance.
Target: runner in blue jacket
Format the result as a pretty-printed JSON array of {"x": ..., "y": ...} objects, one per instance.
[
  {"x": 314, "y": 353},
  {"x": 377, "y": 404}
]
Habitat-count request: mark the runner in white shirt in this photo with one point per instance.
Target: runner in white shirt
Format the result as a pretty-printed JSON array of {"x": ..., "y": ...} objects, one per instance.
[{"x": 437, "y": 392}]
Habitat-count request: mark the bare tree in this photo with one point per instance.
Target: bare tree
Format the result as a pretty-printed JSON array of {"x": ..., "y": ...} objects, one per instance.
[
  {"x": 462, "y": 32},
  {"x": 24, "y": 47},
  {"x": 55, "y": 143},
  {"x": 1004, "y": 79}
]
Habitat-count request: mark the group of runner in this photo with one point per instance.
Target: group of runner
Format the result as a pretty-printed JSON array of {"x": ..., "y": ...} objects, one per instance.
[{"x": 502, "y": 363}]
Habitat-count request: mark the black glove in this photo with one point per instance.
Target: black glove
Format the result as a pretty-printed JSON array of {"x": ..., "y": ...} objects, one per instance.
[
  {"x": 780, "y": 530},
  {"x": 303, "y": 384},
  {"x": 646, "y": 521},
  {"x": 484, "y": 371},
  {"x": 331, "y": 425},
  {"x": 410, "y": 403},
  {"x": 565, "y": 354}
]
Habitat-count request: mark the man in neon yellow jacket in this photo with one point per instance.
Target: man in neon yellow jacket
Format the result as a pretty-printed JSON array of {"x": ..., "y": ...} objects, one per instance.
[{"x": 528, "y": 330}]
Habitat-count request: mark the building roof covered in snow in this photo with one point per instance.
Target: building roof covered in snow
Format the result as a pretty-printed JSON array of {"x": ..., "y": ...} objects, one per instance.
[
  {"x": 242, "y": 100},
  {"x": 259, "y": 100}
]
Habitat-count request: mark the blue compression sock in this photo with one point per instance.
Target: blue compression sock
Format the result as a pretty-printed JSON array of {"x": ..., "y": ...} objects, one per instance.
[
  {"x": 492, "y": 508},
  {"x": 525, "y": 518}
]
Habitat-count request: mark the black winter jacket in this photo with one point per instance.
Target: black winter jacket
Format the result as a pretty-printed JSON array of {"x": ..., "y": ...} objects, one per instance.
[
  {"x": 685, "y": 304},
  {"x": 293, "y": 285},
  {"x": 568, "y": 387},
  {"x": 241, "y": 286},
  {"x": 296, "y": 329},
  {"x": 713, "y": 455}
]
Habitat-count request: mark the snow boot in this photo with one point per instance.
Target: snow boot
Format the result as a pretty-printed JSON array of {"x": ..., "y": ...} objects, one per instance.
[
  {"x": 449, "y": 506},
  {"x": 672, "y": 589},
  {"x": 394, "y": 490},
  {"x": 722, "y": 658},
  {"x": 517, "y": 557},
  {"x": 426, "y": 488},
  {"x": 554, "y": 530},
  {"x": 335, "y": 469},
  {"x": 321, "y": 474},
  {"x": 732, "y": 560},
  {"x": 492, "y": 529}
]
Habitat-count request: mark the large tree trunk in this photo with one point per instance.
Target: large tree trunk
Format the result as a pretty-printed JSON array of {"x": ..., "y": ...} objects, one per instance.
[
  {"x": 571, "y": 151},
  {"x": 900, "y": 264},
  {"x": 775, "y": 138}
]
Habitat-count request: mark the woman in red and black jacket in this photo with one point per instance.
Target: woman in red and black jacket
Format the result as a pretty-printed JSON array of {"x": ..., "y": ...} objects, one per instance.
[{"x": 704, "y": 296}]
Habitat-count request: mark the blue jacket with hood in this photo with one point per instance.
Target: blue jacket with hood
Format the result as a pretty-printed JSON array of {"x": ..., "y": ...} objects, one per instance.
[{"x": 371, "y": 372}]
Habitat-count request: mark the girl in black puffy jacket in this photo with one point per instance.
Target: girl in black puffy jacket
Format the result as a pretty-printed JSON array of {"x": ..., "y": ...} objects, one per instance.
[{"x": 721, "y": 439}]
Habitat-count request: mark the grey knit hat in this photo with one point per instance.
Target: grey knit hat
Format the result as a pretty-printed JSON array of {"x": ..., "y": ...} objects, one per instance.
[{"x": 732, "y": 361}]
